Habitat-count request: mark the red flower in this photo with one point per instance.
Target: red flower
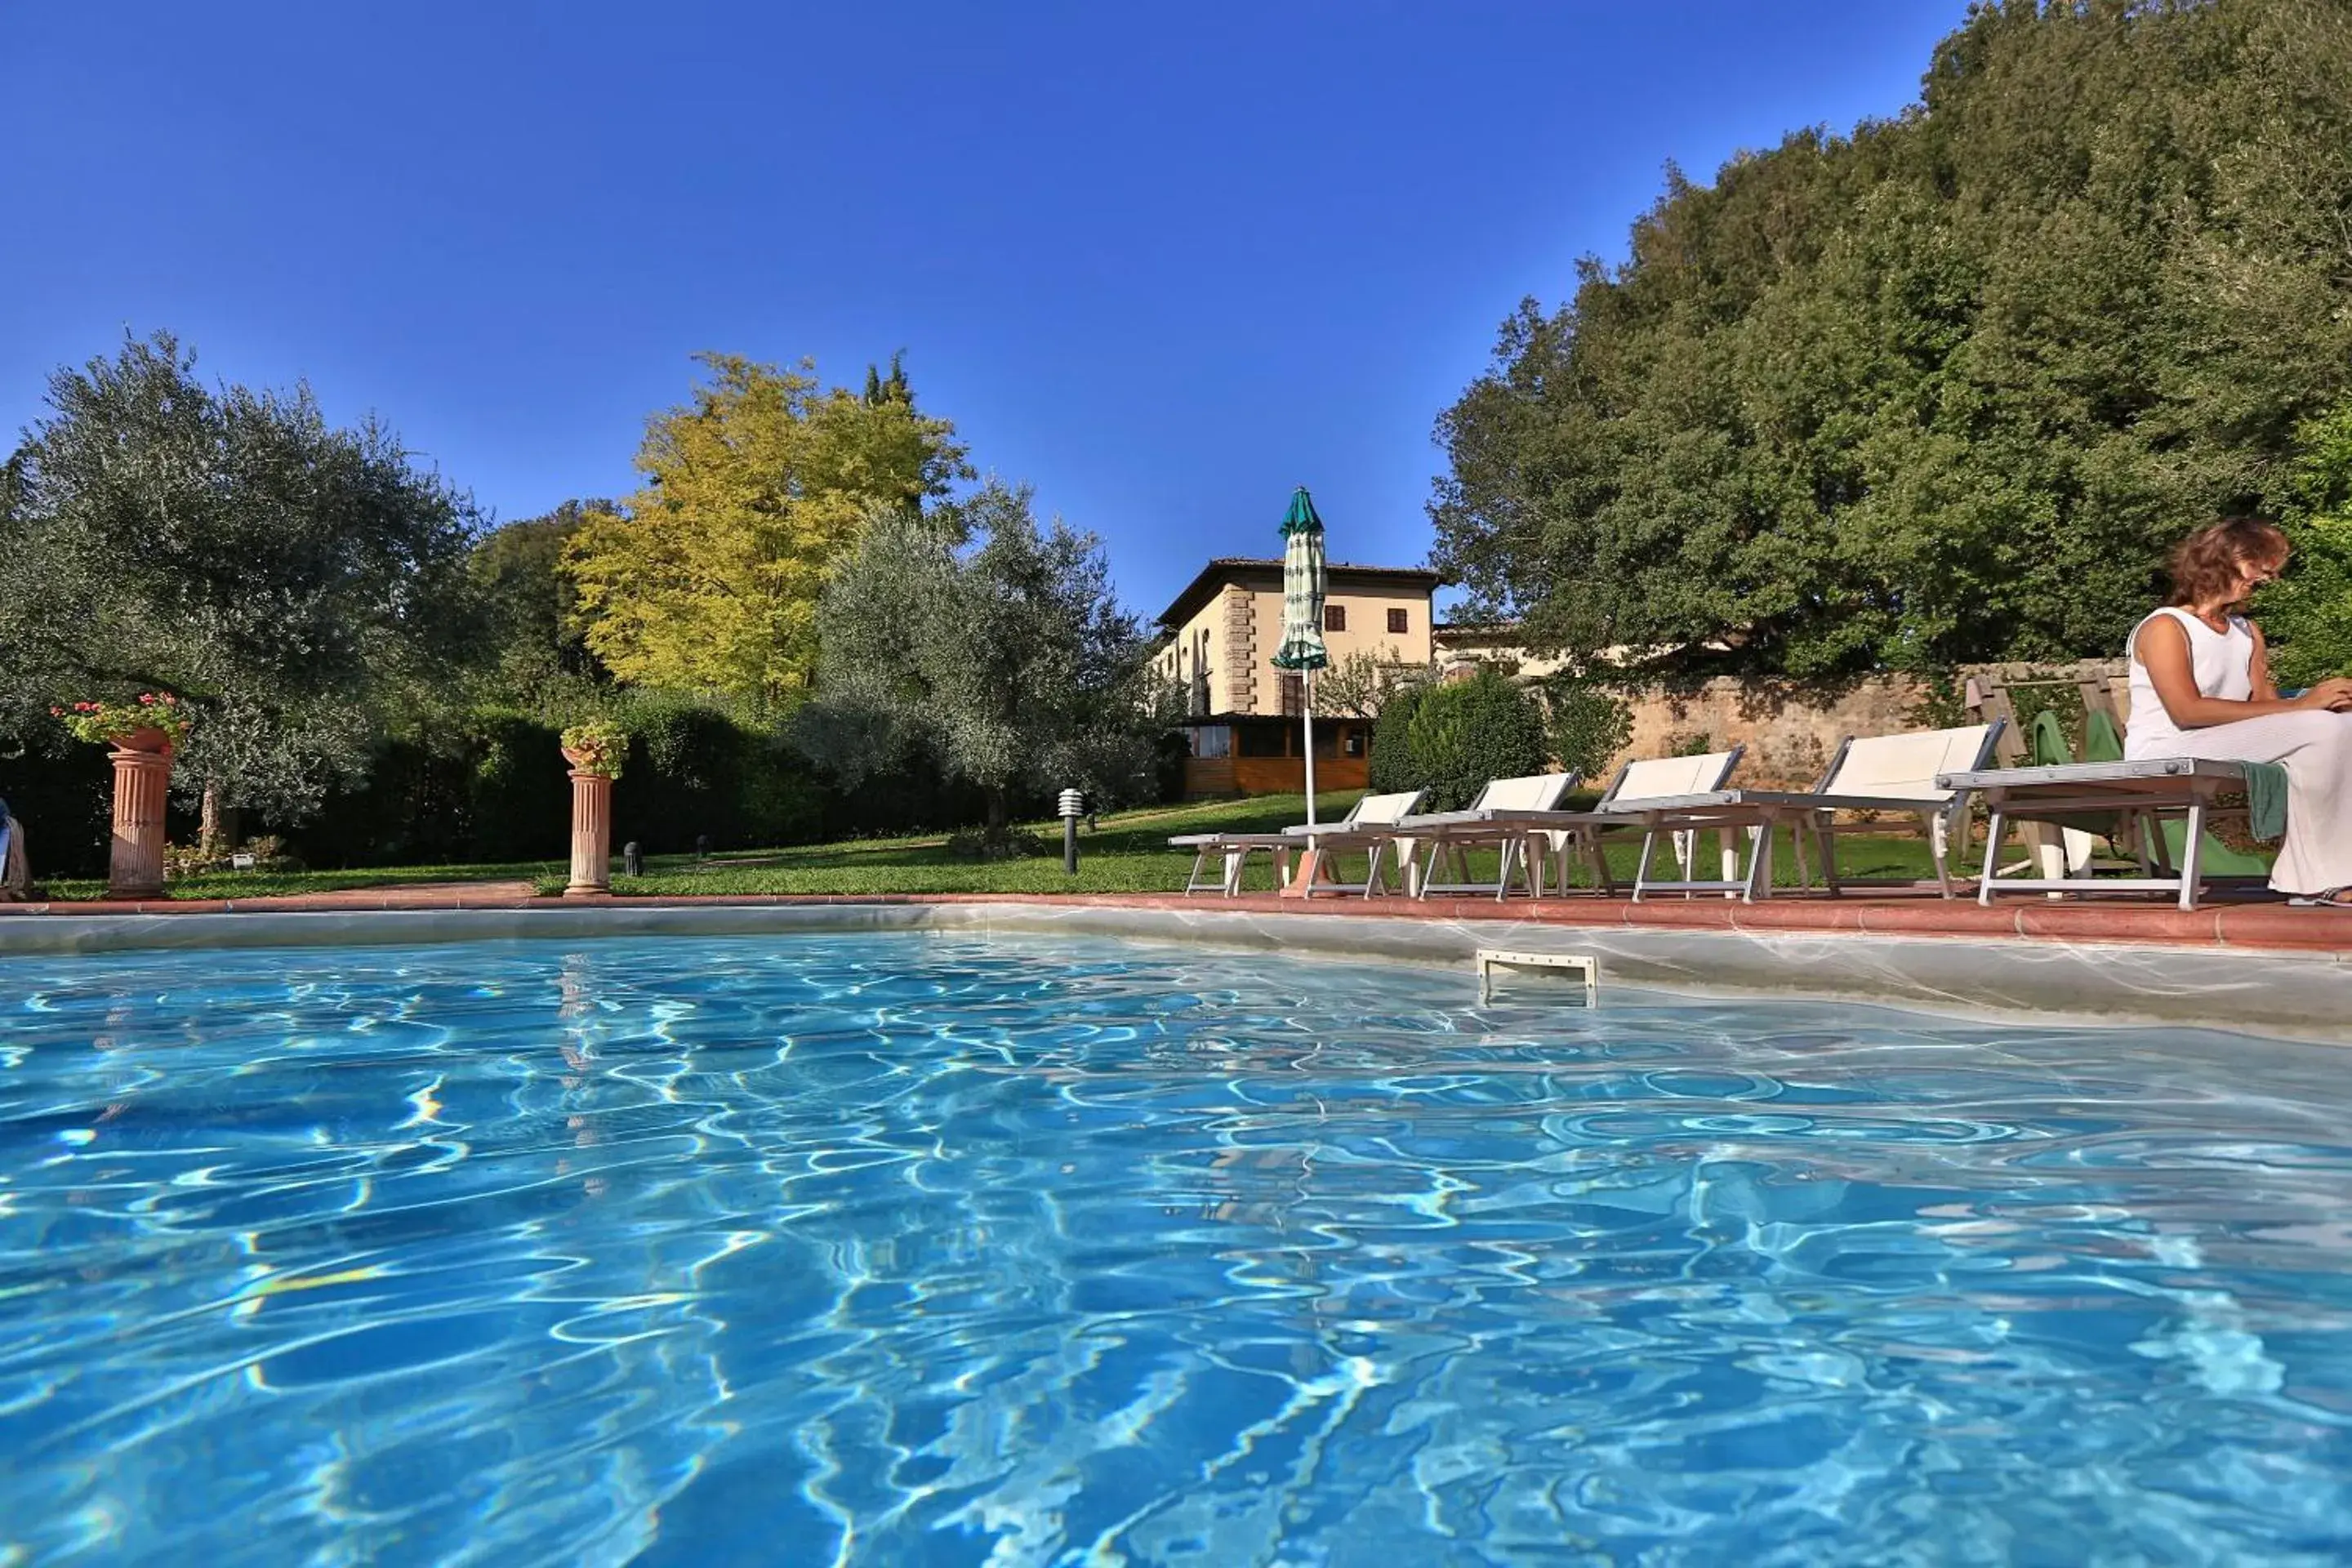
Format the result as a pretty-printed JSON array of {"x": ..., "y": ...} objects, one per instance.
[{"x": 147, "y": 697}]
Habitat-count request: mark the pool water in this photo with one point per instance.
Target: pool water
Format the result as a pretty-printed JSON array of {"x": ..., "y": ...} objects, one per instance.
[{"x": 902, "y": 1248}]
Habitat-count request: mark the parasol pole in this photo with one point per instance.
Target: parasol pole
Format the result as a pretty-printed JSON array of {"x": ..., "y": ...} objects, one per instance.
[{"x": 1307, "y": 683}]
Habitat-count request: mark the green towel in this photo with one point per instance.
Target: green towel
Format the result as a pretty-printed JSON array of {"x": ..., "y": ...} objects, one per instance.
[
  {"x": 2265, "y": 803},
  {"x": 2047, "y": 748},
  {"x": 2100, "y": 743},
  {"x": 2046, "y": 744},
  {"x": 2266, "y": 800}
]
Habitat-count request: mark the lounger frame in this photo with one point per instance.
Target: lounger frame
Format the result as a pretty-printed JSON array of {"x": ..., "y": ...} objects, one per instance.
[
  {"x": 1436, "y": 836},
  {"x": 1812, "y": 818},
  {"x": 1561, "y": 832},
  {"x": 1230, "y": 852},
  {"x": 2142, "y": 794}
]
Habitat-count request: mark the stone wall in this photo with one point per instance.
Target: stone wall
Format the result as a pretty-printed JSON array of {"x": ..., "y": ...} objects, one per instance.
[{"x": 1791, "y": 731}]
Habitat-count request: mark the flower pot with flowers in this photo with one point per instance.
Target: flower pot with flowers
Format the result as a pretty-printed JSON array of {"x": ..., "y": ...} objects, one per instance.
[
  {"x": 156, "y": 722},
  {"x": 598, "y": 748},
  {"x": 143, "y": 734}
]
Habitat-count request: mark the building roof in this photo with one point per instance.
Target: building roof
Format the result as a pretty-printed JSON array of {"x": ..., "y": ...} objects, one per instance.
[{"x": 1226, "y": 568}]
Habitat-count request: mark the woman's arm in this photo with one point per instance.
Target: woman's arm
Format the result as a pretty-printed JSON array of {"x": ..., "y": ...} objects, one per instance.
[
  {"x": 2261, "y": 673},
  {"x": 2163, "y": 646}
]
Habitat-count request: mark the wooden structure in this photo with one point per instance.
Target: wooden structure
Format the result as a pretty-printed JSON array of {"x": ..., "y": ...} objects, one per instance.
[{"x": 2101, "y": 683}]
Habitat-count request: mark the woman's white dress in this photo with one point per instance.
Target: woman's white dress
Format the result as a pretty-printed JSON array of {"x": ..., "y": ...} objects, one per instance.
[{"x": 2315, "y": 748}]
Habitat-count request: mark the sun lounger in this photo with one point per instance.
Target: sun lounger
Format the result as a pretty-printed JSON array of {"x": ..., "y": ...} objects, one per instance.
[
  {"x": 1878, "y": 773},
  {"x": 1564, "y": 833},
  {"x": 1457, "y": 832},
  {"x": 2142, "y": 794},
  {"x": 1366, "y": 826}
]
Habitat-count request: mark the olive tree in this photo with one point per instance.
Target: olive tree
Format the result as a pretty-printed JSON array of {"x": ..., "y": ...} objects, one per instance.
[
  {"x": 970, "y": 640},
  {"x": 294, "y": 582}
]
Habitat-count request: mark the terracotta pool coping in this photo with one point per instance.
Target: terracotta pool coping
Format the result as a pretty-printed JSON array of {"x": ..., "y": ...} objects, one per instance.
[{"x": 2261, "y": 927}]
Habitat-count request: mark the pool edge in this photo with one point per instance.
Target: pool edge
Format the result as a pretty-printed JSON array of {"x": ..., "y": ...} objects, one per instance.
[{"x": 2282, "y": 993}]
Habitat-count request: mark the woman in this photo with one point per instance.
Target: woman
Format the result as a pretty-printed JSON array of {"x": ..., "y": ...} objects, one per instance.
[
  {"x": 2200, "y": 686},
  {"x": 16, "y": 879}
]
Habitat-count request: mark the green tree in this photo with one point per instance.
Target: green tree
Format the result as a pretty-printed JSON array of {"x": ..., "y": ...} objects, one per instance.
[
  {"x": 1946, "y": 389},
  {"x": 539, "y": 649},
  {"x": 708, "y": 578},
  {"x": 972, "y": 642},
  {"x": 2308, "y": 616},
  {"x": 1360, "y": 686},
  {"x": 296, "y": 582},
  {"x": 1585, "y": 724}
]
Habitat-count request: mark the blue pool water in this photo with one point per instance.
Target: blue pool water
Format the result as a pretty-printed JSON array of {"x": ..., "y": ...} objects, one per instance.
[{"x": 919, "y": 1250}]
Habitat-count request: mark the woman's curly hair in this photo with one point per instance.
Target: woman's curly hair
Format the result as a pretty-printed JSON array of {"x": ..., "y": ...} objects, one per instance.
[{"x": 2206, "y": 564}]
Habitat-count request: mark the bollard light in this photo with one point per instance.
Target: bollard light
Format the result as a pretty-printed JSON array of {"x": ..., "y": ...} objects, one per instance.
[
  {"x": 1073, "y": 807},
  {"x": 633, "y": 860}
]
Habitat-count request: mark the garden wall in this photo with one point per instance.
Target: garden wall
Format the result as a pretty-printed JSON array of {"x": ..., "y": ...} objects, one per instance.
[{"x": 1791, "y": 729}]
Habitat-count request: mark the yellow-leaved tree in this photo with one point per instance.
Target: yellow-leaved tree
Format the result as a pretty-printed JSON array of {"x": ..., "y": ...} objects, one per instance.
[{"x": 708, "y": 577}]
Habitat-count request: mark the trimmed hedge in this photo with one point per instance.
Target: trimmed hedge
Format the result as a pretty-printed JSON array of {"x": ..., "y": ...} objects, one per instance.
[
  {"x": 1461, "y": 734},
  {"x": 1392, "y": 767}
]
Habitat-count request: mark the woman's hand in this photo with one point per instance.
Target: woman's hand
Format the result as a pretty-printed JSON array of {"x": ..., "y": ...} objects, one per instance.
[{"x": 2334, "y": 694}]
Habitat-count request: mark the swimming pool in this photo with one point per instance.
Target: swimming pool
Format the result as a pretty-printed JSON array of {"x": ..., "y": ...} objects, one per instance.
[{"x": 904, "y": 1248}]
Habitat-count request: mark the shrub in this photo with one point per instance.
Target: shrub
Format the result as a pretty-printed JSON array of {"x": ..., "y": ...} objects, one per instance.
[
  {"x": 1466, "y": 733},
  {"x": 1391, "y": 769},
  {"x": 518, "y": 799},
  {"x": 1585, "y": 724}
]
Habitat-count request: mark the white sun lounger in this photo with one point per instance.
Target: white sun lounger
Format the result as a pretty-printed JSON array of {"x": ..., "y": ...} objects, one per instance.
[
  {"x": 1481, "y": 825},
  {"x": 1878, "y": 773},
  {"x": 2149, "y": 791},
  {"x": 1566, "y": 832},
  {"x": 1364, "y": 827}
]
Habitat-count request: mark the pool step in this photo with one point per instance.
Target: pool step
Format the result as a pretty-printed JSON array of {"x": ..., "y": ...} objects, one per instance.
[{"x": 1490, "y": 959}]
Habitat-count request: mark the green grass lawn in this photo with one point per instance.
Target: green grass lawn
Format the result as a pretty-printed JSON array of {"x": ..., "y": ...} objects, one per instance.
[{"x": 1129, "y": 853}]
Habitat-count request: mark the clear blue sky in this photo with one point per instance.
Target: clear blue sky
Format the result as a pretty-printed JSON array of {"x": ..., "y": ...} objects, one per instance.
[{"x": 1164, "y": 262}]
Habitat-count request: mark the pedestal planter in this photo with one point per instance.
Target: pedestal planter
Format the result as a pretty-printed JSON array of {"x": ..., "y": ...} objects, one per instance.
[
  {"x": 143, "y": 777},
  {"x": 592, "y": 833}
]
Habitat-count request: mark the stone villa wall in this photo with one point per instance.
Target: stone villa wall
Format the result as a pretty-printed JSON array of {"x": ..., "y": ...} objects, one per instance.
[
  {"x": 1790, "y": 732},
  {"x": 1241, "y": 650}
]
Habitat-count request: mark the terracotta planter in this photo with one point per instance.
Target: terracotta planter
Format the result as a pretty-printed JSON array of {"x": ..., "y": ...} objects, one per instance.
[
  {"x": 592, "y": 833},
  {"x": 143, "y": 777}
]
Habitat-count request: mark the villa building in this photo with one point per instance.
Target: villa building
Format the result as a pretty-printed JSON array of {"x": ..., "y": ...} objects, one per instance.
[{"x": 1242, "y": 712}]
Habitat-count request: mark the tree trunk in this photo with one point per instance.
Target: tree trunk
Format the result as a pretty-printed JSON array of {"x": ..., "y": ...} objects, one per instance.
[
  {"x": 1000, "y": 813},
  {"x": 217, "y": 833}
]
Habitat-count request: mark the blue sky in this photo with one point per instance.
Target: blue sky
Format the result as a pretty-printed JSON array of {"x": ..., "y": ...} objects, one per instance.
[{"x": 1164, "y": 262}]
